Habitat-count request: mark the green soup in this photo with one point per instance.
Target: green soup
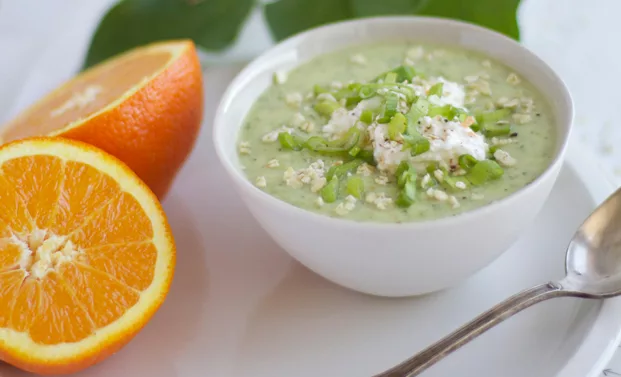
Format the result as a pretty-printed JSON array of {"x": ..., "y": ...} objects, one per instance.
[{"x": 397, "y": 132}]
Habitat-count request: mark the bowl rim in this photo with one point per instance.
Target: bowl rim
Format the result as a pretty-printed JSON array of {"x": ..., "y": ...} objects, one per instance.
[{"x": 286, "y": 45}]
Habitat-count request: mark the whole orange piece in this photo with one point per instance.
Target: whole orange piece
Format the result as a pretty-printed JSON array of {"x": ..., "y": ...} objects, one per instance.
[
  {"x": 86, "y": 255},
  {"x": 145, "y": 107}
]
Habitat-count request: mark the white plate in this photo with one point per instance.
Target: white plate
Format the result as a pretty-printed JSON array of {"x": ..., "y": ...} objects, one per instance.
[{"x": 239, "y": 306}]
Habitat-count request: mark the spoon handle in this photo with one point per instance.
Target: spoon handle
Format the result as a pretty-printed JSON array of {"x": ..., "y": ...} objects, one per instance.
[{"x": 436, "y": 352}]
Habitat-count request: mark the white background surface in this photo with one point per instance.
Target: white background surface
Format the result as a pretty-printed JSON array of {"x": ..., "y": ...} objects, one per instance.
[{"x": 578, "y": 38}]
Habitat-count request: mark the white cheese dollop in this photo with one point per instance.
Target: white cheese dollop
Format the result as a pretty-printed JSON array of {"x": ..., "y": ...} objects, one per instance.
[
  {"x": 448, "y": 141},
  {"x": 452, "y": 93}
]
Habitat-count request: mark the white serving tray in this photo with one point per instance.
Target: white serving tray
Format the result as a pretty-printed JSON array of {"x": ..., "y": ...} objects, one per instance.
[{"x": 240, "y": 307}]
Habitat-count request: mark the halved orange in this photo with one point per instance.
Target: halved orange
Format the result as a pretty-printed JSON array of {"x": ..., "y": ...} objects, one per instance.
[
  {"x": 86, "y": 255},
  {"x": 144, "y": 107}
]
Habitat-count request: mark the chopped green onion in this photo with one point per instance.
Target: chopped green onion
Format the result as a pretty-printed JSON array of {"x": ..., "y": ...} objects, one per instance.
[
  {"x": 406, "y": 180},
  {"x": 450, "y": 183},
  {"x": 493, "y": 150},
  {"x": 466, "y": 161},
  {"x": 354, "y": 86},
  {"x": 343, "y": 93},
  {"x": 491, "y": 130},
  {"x": 445, "y": 111},
  {"x": 366, "y": 116},
  {"x": 436, "y": 89},
  {"x": 403, "y": 173},
  {"x": 404, "y": 72},
  {"x": 287, "y": 141},
  {"x": 417, "y": 111},
  {"x": 367, "y": 156},
  {"x": 330, "y": 192},
  {"x": 355, "y": 187},
  {"x": 416, "y": 143},
  {"x": 493, "y": 116},
  {"x": 366, "y": 91},
  {"x": 407, "y": 195},
  {"x": 430, "y": 168},
  {"x": 341, "y": 171},
  {"x": 352, "y": 101},
  {"x": 390, "y": 78},
  {"x": 410, "y": 94},
  {"x": 396, "y": 126},
  {"x": 326, "y": 107},
  {"x": 483, "y": 172},
  {"x": 320, "y": 145},
  {"x": 390, "y": 108},
  {"x": 318, "y": 89},
  {"x": 351, "y": 96},
  {"x": 354, "y": 151}
]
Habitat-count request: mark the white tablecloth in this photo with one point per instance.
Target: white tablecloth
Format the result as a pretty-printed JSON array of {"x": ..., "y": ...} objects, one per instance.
[{"x": 578, "y": 38}]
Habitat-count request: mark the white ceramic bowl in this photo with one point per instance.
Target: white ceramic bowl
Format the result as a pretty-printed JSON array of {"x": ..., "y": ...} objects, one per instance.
[{"x": 392, "y": 259}]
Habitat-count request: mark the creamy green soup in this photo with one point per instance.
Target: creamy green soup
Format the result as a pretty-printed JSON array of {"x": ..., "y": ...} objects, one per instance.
[{"x": 396, "y": 132}]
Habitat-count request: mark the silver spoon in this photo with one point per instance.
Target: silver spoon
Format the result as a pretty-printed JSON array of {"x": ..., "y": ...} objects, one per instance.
[{"x": 593, "y": 270}]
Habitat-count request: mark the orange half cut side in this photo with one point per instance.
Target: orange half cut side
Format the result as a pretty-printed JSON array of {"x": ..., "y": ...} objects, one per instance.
[{"x": 86, "y": 255}]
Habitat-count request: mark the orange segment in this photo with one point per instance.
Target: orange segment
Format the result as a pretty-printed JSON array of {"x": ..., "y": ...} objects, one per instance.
[
  {"x": 13, "y": 213},
  {"x": 87, "y": 191},
  {"x": 145, "y": 107},
  {"x": 132, "y": 264},
  {"x": 123, "y": 220},
  {"x": 28, "y": 301},
  {"x": 105, "y": 298},
  {"x": 86, "y": 255},
  {"x": 10, "y": 254},
  {"x": 40, "y": 187},
  {"x": 65, "y": 320},
  {"x": 10, "y": 283}
]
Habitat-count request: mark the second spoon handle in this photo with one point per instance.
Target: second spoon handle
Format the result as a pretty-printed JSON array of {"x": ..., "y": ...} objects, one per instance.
[{"x": 484, "y": 322}]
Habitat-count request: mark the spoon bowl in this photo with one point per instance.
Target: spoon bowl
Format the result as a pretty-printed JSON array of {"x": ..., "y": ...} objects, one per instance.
[
  {"x": 593, "y": 262},
  {"x": 593, "y": 270}
]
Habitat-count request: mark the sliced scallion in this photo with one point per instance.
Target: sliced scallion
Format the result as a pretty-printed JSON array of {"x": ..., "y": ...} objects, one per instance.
[
  {"x": 466, "y": 161},
  {"x": 417, "y": 111},
  {"x": 366, "y": 116},
  {"x": 492, "y": 130},
  {"x": 416, "y": 143},
  {"x": 483, "y": 172},
  {"x": 354, "y": 151},
  {"x": 436, "y": 89},
  {"x": 355, "y": 187},
  {"x": 330, "y": 192},
  {"x": 287, "y": 141},
  {"x": 396, "y": 126},
  {"x": 492, "y": 116},
  {"x": 390, "y": 78},
  {"x": 366, "y": 91},
  {"x": 318, "y": 89},
  {"x": 366, "y": 155},
  {"x": 450, "y": 183},
  {"x": 341, "y": 171},
  {"x": 326, "y": 107}
]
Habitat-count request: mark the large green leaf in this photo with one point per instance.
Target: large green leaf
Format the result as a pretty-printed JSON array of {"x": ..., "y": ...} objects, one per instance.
[
  {"x": 499, "y": 15},
  {"x": 364, "y": 8},
  {"x": 288, "y": 17},
  {"x": 212, "y": 24}
]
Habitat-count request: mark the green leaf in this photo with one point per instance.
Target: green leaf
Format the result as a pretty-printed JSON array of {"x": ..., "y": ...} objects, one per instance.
[
  {"x": 365, "y": 8},
  {"x": 288, "y": 17},
  {"x": 212, "y": 24},
  {"x": 499, "y": 15}
]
